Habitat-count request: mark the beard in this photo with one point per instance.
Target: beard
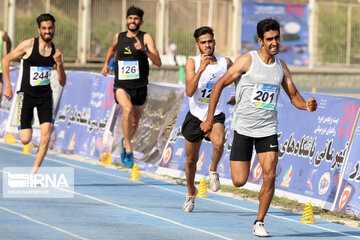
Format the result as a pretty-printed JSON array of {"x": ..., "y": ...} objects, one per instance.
[
  {"x": 208, "y": 54},
  {"x": 135, "y": 29},
  {"x": 49, "y": 37}
]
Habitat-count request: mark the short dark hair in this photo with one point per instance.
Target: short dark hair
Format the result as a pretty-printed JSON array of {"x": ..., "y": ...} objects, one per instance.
[
  {"x": 266, "y": 25},
  {"x": 202, "y": 31},
  {"x": 135, "y": 11},
  {"x": 45, "y": 17}
]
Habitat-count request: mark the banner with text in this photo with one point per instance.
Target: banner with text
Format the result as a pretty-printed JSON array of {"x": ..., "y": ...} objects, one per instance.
[{"x": 82, "y": 115}]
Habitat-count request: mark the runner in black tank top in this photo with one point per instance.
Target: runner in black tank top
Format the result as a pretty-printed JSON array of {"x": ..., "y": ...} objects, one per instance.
[
  {"x": 126, "y": 52},
  {"x": 133, "y": 48},
  {"x": 36, "y": 72},
  {"x": 38, "y": 57}
]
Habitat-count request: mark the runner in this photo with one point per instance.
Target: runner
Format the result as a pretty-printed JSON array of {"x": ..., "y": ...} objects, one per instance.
[
  {"x": 202, "y": 73},
  {"x": 133, "y": 48},
  {"x": 38, "y": 56},
  {"x": 258, "y": 76}
]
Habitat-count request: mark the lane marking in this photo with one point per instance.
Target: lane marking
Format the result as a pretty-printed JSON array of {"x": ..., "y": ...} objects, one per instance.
[
  {"x": 42, "y": 223},
  {"x": 182, "y": 193}
]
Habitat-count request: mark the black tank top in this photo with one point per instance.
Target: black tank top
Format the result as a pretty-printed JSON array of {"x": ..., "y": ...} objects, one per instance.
[
  {"x": 134, "y": 65},
  {"x": 36, "y": 72}
]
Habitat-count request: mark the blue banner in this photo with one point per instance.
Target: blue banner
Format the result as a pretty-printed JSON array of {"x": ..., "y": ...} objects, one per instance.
[
  {"x": 312, "y": 145},
  {"x": 82, "y": 115},
  {"x": 293, "y": 19}
]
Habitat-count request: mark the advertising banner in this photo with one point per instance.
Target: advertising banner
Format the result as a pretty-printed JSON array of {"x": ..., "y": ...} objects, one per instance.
[
  {"x": 161, "y": 108},
  {"x": 83, "y": 112},
  {"x": 313, "y": 145},
  {"x": 293, "y": 19}
]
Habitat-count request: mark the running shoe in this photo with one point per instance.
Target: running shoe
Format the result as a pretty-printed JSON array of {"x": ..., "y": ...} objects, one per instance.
[
  {"x": 129, "y": 160},
  {"x": 214, "y": 181},
  {"x": 123, "y": 151},
  {"x": 189, "y": 203},
  {"x": 259, "y": 230}
]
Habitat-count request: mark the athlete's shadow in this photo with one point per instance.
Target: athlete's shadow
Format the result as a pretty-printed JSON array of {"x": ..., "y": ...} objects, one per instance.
[{"x": 324, "y": 234}]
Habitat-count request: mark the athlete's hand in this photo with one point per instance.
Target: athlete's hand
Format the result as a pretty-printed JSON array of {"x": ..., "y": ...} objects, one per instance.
[
  {"x": 204, "y": 61},
  {"x": 138, "y": 45},
  {"x": 58, "y": 57},
  {"x": 206, "y": 127},
  {"x": 231, "y": 101},
  {"x": 8, "y": 93},
  {"x": 311, "y": 104},
  {"x": 105, "y": 70}
]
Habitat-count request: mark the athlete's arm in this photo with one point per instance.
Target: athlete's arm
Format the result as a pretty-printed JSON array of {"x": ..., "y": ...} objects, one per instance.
[
  {"x": 296, "y": 99},
  {"x": 59, "y": 59},
  {"x": 22, "y": 49},
  {"x": 151, "y": 51},
  {"x": 110, "y": 53},
  {"x": 192, "y": 78},
  {"x": 6, "y": 38},
  {"x": 241, "y": 65}
]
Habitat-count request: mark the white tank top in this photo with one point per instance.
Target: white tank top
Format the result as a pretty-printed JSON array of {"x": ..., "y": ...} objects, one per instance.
[
  {"x": 256, "y": 94},
  {"x": 200, "y": 100}
]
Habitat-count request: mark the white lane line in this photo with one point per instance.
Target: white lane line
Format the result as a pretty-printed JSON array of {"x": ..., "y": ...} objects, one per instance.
[
  {"x": 146, "y": 213},
  {"x": 182, "y": 193},
  {"x": 42, "y": 223}
]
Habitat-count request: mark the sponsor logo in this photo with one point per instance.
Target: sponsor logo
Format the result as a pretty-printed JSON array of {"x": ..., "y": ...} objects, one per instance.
[
  {"x": 344, "y": 197},
  {"x": 273, "y": 146},
  {"x": 200, "y": 161},
  {"x": 257, "y": 172},
  {"x": 167, "y": 156},
  {"x": 287, "y": 177},
  {"x": 127, "y": 50},
  {"x": 324, "y": 183}
]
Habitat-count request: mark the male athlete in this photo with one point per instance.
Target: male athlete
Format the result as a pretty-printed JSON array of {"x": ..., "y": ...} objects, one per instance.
[
  {"x": 133, "y": 48},
  {"x": 202, "y": 72},
  {"x": 38, "y": 56},
  {"x": 258, "y": 76}
]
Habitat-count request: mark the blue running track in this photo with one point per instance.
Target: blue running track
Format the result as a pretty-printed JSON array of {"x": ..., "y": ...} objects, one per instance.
[{"x": 107, "y": 205}]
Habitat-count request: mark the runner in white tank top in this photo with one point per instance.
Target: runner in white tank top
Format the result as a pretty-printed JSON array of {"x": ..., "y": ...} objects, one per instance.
[
  {"x": 202, "y": 72},
  {"x": 257, "y": 76}
]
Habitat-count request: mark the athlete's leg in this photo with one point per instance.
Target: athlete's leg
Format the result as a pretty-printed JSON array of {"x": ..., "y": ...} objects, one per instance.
[
  {"x": 25, "y": 135},
  {"x": 239, "y": 172},
  {"x": 192, "y": 156},
  {"x": 137, "y": 113},
  {"x": 217, "y": 137},
  {"x": 268, "y": 162},
  {"x": 125, "y": 102},
  {"x": 45, "y": 129}
]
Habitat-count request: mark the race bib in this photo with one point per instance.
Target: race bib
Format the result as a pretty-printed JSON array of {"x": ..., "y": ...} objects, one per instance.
[
  {"x": 203, "y": 93},
  {"x": 40, "y": 76},
  {"x": 128, "y": 70},
  {"x": 265, "y": 96}
]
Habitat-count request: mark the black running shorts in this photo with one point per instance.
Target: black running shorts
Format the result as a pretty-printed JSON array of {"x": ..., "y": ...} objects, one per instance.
[
  {"x": 137, "y": 95},
  {"x": 191, "y": 127},
  {"x": 25, "y": 110},
  {"x": 242, "y": 146}
]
